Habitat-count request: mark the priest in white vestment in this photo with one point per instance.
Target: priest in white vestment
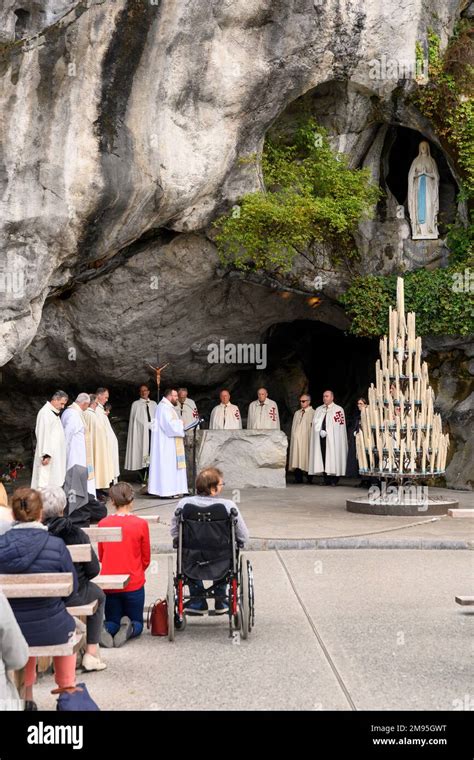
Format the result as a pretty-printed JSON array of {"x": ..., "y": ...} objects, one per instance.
[
  {"x": 49, "y": 465},
  {"x": 77, "y": 465},
  {"x": 104, "y": 464},
  {"x": 225, "y": 416},
  {"x": 142, "y": 414},
  {"x": 263, "y": 413},
  {"x": 300, "y": 439},
  {"x": 167, "y": 474},
  {"x": 328, "y": 447}
]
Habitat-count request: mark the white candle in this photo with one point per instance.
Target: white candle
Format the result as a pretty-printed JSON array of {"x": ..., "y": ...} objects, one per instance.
[
  {"x": 418, "y": 431},
  {"x": 400, "y": 302}
]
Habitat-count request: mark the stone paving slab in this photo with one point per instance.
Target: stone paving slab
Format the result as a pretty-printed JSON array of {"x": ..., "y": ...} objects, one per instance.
[
  {"x": 304, "y": 516},
  {"x": 373, "y": 630}
]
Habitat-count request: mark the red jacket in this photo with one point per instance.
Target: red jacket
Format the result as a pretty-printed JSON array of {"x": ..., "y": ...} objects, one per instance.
[{"x": 129, "y": 556}]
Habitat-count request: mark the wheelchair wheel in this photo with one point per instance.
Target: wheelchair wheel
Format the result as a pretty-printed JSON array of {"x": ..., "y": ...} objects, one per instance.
[
  {"x": 170, "y": 600},
  {"x": 244, "y": 598},
  {"x": 251, "y": 597}
]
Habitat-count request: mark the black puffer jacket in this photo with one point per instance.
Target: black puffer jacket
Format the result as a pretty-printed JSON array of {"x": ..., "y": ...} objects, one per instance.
[
  {"x": 29, "y": 548},
  {"x": 62, "y": 527}
]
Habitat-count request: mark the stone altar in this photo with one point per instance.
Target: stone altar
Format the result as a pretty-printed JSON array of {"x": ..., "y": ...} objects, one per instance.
[{"x": 248, "y": 458}]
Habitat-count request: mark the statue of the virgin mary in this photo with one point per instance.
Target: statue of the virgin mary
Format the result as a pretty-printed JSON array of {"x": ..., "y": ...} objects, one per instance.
[{"x": 423, "y": 195}]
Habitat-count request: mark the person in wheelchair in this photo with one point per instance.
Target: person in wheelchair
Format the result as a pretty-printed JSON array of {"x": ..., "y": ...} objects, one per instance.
[{"x": 209, "y": 484}]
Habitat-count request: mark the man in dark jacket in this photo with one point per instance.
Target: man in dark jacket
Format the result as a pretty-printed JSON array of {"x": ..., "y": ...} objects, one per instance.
[{"x": 54, "y": 502}]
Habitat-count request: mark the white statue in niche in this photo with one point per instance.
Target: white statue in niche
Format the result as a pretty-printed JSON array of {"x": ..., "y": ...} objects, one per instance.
[{"x": 423, "y": 195}]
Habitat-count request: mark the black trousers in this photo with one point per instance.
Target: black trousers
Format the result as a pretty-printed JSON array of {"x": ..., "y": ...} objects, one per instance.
[{"x": 329, "y": 480}]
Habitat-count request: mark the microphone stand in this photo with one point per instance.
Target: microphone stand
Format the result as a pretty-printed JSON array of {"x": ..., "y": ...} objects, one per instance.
[{"x": 194, "y": 427}]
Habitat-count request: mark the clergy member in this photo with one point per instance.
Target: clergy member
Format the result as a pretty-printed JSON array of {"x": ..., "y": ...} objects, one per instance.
[
  {"x": 300, "y": 439},
  {"x": 79, "y": 473},
  {"x": 102, "y": 398},
  {"x": 225, "y": 416},
  {"x": 90, "y": 423},
  {"x": 263, "y": 413},
  {"x": 49, "y": 466},
  {"x": 186, "y": 407},
  {"x": 142, "y": 413},
  {"x": 328, "y": 446},
  {"x": 167, "y": 475},
  {"x": 103, "y": 459}
]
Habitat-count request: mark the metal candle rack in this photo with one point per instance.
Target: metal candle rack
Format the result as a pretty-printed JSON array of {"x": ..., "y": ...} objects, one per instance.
[{"x": 400, "y": 437}]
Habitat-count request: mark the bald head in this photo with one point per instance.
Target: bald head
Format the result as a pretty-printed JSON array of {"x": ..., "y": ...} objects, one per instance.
[{"x": 328, "y": 397}]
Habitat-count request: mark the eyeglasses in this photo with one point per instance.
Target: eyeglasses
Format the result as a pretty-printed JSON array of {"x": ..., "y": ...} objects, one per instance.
[{"x": 304, "y": 400}]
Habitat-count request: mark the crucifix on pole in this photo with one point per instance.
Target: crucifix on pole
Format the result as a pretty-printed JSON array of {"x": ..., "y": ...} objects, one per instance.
[{"x": 158, "y": 371}]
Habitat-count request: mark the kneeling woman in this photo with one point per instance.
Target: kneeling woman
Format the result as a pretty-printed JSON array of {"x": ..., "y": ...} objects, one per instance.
[{"x": 130, "y": 556}]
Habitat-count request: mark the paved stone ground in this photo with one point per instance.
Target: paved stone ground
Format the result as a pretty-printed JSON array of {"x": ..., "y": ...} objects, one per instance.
[
  {"x": 335, "y": 630},
  {"x": 364, "y": 628},
  {"x": 293, "y": 516}
]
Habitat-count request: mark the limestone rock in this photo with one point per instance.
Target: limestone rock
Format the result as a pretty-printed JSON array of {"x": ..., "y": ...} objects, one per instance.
[{"x": 248, "y": 458}]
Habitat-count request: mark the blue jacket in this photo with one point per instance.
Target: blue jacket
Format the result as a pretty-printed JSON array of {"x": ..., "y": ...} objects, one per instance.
[{"x": 43, "y": 620}]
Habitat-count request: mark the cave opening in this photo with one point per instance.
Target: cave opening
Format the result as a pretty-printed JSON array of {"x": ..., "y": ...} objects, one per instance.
[
  {"x": 303, "y": 355},
  {"x": 22, "y": 23},
  {"x": 402, "y": 145}
]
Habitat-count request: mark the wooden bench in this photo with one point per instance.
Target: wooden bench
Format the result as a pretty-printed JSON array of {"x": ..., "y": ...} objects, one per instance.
[
  {"x": 103, "y": 534},
  {"x": 466, "y": 601},
  {"x": 80, "y": 552},
  {"x": 111, "y": 582},
  {"x": 461, "y": 513},
  {"x": 25, "y": 585},
  {"x": 83, "y": 610},
  {"x": 59, "y": 650}
]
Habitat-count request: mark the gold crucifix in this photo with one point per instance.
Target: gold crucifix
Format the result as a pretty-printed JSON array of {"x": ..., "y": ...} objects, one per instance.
[{"x": 158, "y": 371}]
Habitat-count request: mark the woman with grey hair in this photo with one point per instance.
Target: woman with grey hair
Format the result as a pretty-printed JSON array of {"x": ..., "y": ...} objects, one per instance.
[{"x": 54, "y": 503}]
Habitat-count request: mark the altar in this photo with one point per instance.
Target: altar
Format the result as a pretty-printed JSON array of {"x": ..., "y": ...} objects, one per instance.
[{"x": 248, "y": 458}]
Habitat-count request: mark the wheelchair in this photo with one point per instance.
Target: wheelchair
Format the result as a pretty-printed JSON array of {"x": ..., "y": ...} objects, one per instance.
[{"x": 207, "y": 550}]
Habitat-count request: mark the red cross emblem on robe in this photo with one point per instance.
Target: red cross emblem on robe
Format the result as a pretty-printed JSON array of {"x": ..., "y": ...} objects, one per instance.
[
  {"x": 339, "y": 417},
  {"x": 272, "y": 414}
]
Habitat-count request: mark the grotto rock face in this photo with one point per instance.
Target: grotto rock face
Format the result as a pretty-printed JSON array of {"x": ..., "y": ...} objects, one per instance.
[
  {"x": 120, "y": 118},
  {"x": 125, "y": 129}
]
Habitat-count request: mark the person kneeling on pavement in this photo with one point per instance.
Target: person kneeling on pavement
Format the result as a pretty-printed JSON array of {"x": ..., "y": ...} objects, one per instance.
[
  {"x": 209, "y": 484},
  {"x": 130, "y": 556}
]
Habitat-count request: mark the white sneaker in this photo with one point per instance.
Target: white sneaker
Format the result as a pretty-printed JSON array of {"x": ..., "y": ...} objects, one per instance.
[{"x": 90, "y": 662}]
